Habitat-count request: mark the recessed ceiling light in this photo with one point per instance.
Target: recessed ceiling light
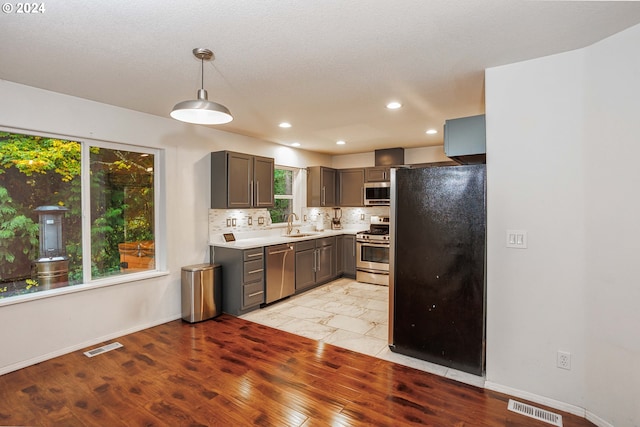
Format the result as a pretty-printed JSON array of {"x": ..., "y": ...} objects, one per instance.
[
  {"x": 285, "y": 125},
  {"x": 340, "y": 142},
  {"x": 431, "y": 132},
  {"x": 394, "y": 105},
  {"x": 295, "y": 144}
]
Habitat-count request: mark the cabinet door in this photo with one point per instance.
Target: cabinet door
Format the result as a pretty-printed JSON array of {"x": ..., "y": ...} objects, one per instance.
[
  {"x": 305, "y": 272},
  {"x": 263, "y": 182},
  {"x": 313, "y": 186},
  {"x": 239, "y": 178},
  {"x": 351, "y": 187},
  {"x": 349, "y": 253},
  {"x": 328, "y": 187},
  {"x": 326, "y": 266},
  {"x": 377, "y": 174},
  {"x": 321, "y": 187}
]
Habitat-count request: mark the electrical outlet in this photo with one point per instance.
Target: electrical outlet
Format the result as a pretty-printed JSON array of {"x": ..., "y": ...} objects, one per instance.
[
  {"x": 234, "y": 222},
  {"x": 361, "y": 217},
  {"x": 517, "y": 239},
  {"x": 228, "y": 222},
  {"x": 564, "y": 360},
  {"x": 249, "y": 221}
]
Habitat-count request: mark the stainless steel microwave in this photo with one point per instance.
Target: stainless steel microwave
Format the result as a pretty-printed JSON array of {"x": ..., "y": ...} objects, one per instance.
[{"x": 377, "y": 193}]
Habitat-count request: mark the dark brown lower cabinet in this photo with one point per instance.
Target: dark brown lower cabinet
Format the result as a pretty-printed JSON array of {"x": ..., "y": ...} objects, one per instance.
[
  {"x": 349, "y": 256},
  {"x": 315, "y": 262},
  {"x": 242, "y": 278}
]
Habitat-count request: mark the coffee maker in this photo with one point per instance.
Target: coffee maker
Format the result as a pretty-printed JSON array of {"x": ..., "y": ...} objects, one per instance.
[{"x": 335, "y": 221}]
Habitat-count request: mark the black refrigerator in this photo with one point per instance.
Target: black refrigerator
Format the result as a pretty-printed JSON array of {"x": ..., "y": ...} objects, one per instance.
[{"x": 437, "y": 265}]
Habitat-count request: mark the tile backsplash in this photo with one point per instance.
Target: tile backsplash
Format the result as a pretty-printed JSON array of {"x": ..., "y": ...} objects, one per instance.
[{"x": 238, "y": 220}]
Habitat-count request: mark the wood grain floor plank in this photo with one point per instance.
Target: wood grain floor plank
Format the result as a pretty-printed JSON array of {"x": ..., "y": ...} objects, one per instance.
[{"x": 230, "y": 372}]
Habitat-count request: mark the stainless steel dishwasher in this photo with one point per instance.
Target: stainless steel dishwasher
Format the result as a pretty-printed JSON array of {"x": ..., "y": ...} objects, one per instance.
[{"x": 281, "y": 272}]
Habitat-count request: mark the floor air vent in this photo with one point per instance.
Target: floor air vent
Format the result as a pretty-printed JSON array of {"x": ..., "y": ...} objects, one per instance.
[
  {"x": 537, "y": 413},
  {"x": 103, "y": 349}
]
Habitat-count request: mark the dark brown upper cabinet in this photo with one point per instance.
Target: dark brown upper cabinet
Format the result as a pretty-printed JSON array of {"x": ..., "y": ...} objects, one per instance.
[
  {"x": 321, "y": 187},
  {"x": 378, "y": 174},
  {"x": 351, "y": 187},
  {"x": 241, "y": 181}
]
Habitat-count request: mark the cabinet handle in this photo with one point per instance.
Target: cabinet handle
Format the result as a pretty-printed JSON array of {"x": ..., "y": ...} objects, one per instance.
[
  {"x": 255, "y": 293},
  {"x": 260, "y": 270},
  {"x": 254, "y": 255},
  {"x": 314, "y": 261},
  {"x": 318, "y": 255},
  {"x": 251, "y": 193},
  {"x": 257, "y": 203}
]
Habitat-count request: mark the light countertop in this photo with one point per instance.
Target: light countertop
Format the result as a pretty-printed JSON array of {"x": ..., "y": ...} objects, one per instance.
[{"x": 256, "y": 239}]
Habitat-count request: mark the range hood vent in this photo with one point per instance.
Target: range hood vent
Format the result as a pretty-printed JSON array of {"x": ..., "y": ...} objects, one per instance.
[{"x": 389, "y": 157}]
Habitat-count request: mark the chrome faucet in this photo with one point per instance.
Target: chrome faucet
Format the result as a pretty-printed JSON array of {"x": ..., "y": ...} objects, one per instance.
[{"x": 290, "y": 222}]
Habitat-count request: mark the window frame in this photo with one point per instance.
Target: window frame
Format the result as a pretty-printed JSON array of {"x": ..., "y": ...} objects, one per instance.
[
  {"x": 295, "y": 195},
  {"x": 159, "y": 218}
]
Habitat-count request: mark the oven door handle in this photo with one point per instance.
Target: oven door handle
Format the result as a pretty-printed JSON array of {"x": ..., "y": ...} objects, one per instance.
[{"x": 370, "y": 243}]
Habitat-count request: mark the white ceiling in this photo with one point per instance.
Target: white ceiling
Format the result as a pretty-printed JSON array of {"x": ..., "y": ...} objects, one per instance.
[{"x": 328, "y": 67}]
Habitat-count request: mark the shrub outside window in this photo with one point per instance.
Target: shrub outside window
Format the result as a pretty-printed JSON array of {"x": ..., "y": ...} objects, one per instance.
[
  {"x": 283, "y": 188},
  {"x": 45, "y": 185}
]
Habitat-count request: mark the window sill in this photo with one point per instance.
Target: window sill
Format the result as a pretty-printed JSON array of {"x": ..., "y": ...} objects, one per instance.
[{"x": 96, "y": 284}]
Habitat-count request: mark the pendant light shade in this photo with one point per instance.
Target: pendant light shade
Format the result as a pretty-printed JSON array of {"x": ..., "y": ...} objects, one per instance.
[{"x": 201, "y": 111}]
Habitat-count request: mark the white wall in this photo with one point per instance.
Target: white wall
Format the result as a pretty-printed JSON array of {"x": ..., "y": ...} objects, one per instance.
[
  {"x": 36, "y": 330},
  {"x": 613, "y": 228},
  {"x": 558, "y": 131}
]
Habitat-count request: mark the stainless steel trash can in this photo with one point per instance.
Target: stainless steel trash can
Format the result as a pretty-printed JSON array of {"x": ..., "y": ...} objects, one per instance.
[{"x": 201, "y": 292}]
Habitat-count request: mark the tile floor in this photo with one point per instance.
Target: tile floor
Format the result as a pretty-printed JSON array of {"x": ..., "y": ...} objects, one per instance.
[{"x": 347, "y": 314}]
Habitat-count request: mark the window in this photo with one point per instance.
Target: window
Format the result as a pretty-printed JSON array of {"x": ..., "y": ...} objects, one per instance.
[
  {"x": 46, "y": 184},
  {"x": 283, "y": 188}
]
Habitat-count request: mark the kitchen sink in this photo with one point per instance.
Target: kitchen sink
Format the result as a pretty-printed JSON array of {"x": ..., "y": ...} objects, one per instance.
[{"x": 301, "y": 234}]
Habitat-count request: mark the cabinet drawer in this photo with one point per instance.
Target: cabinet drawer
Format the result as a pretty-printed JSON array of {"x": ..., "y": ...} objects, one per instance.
[
  {"x": 306, "y": 245},
  {"x": 253, "y": 254},
  {"x": 253, "y": 270},
  {"x": 253, "y": 294},
  {"x": 326, "y": 241}
]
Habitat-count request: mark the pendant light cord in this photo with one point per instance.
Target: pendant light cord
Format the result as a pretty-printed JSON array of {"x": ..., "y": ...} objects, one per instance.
[{"x": 201, "y": 72}]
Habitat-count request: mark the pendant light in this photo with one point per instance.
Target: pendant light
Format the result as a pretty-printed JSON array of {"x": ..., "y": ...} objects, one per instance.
[{"x": 201, "y": 111}]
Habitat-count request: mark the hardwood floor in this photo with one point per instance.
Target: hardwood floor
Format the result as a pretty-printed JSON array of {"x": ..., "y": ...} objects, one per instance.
[{"x": 231, "y": 372}]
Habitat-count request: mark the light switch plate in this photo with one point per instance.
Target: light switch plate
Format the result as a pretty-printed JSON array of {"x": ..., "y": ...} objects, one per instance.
[{"x": 517, "y": 239}]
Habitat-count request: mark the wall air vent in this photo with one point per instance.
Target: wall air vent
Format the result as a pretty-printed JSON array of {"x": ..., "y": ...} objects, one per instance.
[
  {"x": 103, "y": 349},
  {"x": 533, "y": 412}
]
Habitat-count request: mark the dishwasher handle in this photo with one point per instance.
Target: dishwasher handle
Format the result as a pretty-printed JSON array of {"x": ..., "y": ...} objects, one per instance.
[{"x": 289, "y": 249}]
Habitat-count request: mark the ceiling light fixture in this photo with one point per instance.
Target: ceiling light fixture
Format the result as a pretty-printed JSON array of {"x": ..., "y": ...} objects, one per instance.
[
  {"x": 201, "y": 111},
  {"x": 340, "y": 142},
  {"x": 295, "y": 144},
  {"x": 431, "y": 132},
  {"x": 394, "y": 105},
  {"x": 285, "y": 125}
]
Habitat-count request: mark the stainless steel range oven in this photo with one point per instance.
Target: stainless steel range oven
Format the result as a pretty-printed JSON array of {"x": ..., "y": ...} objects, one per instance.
[{"x": 372, "y": 247}]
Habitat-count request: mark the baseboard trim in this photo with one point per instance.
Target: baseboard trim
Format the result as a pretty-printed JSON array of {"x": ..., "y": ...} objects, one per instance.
[
  {"x": 552, "y": 403},
  {"x": 597, "y": 420},
  {"x": 92, "y": 342}
]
